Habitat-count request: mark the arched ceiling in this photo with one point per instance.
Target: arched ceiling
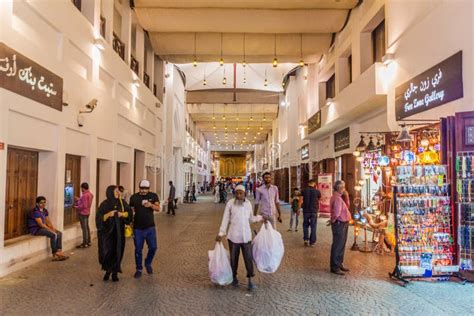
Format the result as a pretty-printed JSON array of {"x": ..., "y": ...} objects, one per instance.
[
  {"x": 254, "y": 31},
  {"x": 183, "y": 29}
]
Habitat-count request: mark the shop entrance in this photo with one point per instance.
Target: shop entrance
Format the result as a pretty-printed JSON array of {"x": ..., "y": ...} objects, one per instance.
[
  {"x": 21, "y": 190},
  {"x": 304, "y": 175},
  {"x": 72, "y": 187},
  {"x": 139, "y": 168}
]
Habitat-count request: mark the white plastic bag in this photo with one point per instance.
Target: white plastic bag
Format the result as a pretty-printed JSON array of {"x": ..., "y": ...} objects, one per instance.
[
  {"x": 219, "y": 265},
  {"x": 268, "y": 249}
]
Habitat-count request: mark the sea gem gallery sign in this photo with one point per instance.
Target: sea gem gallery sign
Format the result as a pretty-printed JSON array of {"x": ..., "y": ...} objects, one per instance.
[
  {"x": 436, "y": 86},
  {"x": 23, "y": 76}
]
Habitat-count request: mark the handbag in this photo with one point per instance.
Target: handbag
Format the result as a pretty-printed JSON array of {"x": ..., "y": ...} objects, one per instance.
[{"x": 128, "y": 231}]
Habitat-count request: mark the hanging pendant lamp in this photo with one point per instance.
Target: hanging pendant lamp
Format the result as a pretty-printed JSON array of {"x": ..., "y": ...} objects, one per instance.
[
  {"x": 404, "y": 136},
  {"x": 371, "y": 146},
  {"x": 361, "y": 146}
]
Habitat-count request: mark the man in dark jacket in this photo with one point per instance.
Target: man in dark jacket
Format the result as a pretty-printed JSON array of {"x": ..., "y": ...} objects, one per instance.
[
  {"x": 171, "y": 197},
  {"x": 309, "y": 201}
]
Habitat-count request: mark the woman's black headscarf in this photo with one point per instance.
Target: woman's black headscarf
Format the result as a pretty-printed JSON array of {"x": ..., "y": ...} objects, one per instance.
[{"x": 109, "y": 204}]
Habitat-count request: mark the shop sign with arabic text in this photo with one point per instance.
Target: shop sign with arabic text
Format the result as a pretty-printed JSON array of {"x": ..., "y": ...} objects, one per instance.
[
  {"x": 436, "y": 86},
  {"x": 342, "y": 139},
  {"x": 314, "y": 122},
  {"x": 23, "y": 76}
]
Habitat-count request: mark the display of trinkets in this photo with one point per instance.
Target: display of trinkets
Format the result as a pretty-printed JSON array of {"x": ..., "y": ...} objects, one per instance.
[
  {"x": 465, "y": 206},
  {"x": 424, "y": 221}
]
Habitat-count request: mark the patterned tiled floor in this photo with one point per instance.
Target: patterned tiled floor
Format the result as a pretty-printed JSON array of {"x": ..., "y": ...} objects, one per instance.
[{"x": 180, "y": 286}]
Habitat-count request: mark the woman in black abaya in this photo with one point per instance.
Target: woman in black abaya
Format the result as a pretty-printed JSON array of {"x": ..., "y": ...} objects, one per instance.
[{"x": 111, "y": 218}]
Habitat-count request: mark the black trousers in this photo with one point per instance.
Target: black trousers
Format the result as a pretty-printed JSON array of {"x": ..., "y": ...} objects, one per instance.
[
  {"x": 171, "y": 207},
  {"x": 234, "y": 250},
  {"x": 86, "y": 232},
  {"x": 339, "y": 238}
]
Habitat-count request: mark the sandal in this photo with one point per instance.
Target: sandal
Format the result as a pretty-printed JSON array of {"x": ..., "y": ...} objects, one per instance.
[{"x": 82, "y": 246}]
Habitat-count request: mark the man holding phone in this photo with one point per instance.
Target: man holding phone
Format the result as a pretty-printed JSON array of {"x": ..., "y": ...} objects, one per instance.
[{"x": 144, "y": 204}]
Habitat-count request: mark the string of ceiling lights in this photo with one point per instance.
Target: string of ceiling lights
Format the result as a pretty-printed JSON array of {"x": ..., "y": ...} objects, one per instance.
[
  {"x": 274, "y": 62},
  {"x": 245, "y": 139}
]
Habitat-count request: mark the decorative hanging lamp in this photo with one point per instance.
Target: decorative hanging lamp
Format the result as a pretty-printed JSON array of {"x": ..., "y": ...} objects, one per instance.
[{"x": 404, "y": 136}]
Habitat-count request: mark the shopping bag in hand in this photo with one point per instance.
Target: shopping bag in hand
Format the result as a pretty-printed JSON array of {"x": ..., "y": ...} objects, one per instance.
[
  {"x": 267, "y": 249},
  {"x": 219, "y": 265}
]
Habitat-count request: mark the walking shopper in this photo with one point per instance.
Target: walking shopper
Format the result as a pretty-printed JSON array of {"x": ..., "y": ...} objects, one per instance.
[
  {"x": 110, "y": 220},
  {"x": 40, "y": 225},
  {"x": 216, "y": 194},
  {"x": 238, "y": 215},
  {"x": 295, "y": 209},
  {"x": 171, "y": 197},
  {"x": 144, "y": 204},
  {"x": 267, "y": 200},
  {"x": 309, "y": 201},
  {"x": 83, "y": 207},
  {"x": 193, "y": 193},
  {"x": 340, "y": 217}
]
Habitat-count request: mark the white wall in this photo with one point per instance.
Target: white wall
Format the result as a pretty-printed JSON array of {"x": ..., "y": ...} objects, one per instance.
[
  {"x": 419, "y": 33},
  {"x": 57, "y": 36}
]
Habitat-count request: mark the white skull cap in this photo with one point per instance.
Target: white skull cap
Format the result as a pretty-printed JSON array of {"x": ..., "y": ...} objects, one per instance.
[
  {"x": 240, "y": 188},
  {"x": 144, "y": 184}
]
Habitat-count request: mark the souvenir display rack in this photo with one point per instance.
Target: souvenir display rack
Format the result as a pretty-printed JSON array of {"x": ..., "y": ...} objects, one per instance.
[
  {"x": 465, "y": 208},
  {"x": 423, "y": 224}
]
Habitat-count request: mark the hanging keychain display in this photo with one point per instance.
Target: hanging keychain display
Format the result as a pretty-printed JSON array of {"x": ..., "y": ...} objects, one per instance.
[
  {"x": 423, "y": 219},
  {"x": 465, "y": 208}
]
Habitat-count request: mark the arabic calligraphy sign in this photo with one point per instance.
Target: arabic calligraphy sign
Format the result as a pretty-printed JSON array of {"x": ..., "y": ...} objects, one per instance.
[
  {"x": 436, "y": 86},
  {"x": 314, "y": 122},
  {"x": 23, "y": 76},
  {"x": 342, "y": 139}
]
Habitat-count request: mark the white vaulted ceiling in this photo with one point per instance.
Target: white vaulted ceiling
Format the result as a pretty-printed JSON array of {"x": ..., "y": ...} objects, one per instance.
[
  {"x": 183, "y": 29},
  {"x": 254, "y": 31}
]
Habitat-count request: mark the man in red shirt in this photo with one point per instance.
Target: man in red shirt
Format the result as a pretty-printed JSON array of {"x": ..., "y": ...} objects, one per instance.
[
  {"x": 340, "y": 217},
  {"x": 83, "y": 208}
]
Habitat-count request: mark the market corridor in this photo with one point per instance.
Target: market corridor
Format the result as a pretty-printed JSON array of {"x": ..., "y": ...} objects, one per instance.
[{"x": 181, "y": 286}]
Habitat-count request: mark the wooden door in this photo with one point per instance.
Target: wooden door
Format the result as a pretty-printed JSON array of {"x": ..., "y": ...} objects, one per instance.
[
  {"x": 349, "y": 175},
  {"x": 117, "y": 174},
  {"x": 21, "y": 190},
  {"x": 304, "y": 175},
  {"x": 293, "y": 177},
  {"x": 97, "y": 185},
  {"x": 286, "y": 184},
  {"x": 72, "y": 178},
  {"x": 315, "y": 170}
]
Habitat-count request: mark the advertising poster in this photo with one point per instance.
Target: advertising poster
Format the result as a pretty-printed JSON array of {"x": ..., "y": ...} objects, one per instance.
[{"x": 325, "y": 187}]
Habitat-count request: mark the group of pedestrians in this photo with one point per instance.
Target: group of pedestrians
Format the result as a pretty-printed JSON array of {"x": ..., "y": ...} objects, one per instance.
[
  {"x": 115, "y": 219},
  {"x": 238, "y": 216}
]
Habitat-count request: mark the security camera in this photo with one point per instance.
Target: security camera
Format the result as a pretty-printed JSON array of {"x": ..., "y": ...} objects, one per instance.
[
  {"x": 90, "y": 106},
  {"x": 80, "y": 120}
]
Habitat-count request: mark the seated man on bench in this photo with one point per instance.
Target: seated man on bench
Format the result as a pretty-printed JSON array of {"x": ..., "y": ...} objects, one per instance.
[{"x": 40, "y": 225}]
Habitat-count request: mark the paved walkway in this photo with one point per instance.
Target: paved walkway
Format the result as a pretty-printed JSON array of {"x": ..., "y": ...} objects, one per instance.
[{"x": 181, "y": 286}]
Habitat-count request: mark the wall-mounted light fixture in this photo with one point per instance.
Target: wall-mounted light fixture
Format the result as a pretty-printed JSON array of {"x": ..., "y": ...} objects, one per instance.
[
  {"x": 99, "y": 42},
  {"x": 388, "y": 58}
]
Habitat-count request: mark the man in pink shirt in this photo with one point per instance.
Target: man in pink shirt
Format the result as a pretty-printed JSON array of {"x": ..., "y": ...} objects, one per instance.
[
  {"x": 340, "y": 217},
  {"x": 83, "y": 208}
]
